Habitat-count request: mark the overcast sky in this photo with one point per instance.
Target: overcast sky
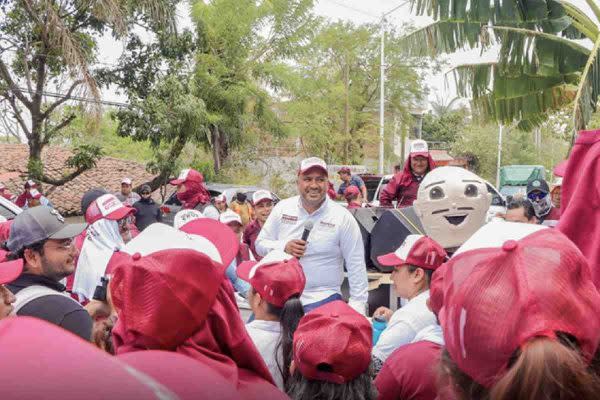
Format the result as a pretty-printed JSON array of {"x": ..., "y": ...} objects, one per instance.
[{"x": 357, "y": 11}]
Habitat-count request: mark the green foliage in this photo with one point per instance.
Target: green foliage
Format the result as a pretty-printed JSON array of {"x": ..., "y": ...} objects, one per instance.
[
  {"x": 85, "y": 156},
  {"x": 540, "y": 68},
  {"x": 443, "y": 128},
  {"x": 334, "y": 93}
]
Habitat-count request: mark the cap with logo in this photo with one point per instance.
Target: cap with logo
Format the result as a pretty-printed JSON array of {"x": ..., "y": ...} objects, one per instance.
[
  {"x": 419, "y": 148},
  {"x": 188, "y": 174},
  {"x": 30, "y": 184},
  {"x": 34, "y": 194},
  {"x": 39, "y": 223},
  {"x": 229, "y": 217},
  {"x": 418, "y": 250},
  {"x": 109, "y": 207},
  {"x": 126, "y": 181},
  {"x": 538, "y": 184},
  {"x": 221, "y": 198},
  {"x": 261, "y": 195},
  {"x": 506, "y": 285},
  {"x": 277, "y": 277},
  {"x": 310, "y": 163},
  {"x": 89, "y": 196},
  {"x": 333, "y": 343},
  {"x": 184, "y": 216},
  {"x": 344, "y": 170}
]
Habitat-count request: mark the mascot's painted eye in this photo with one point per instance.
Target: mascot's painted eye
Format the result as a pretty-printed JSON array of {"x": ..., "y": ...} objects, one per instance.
[
  {"x": 471, "y": 191},
  {"x": 436, "y": 193}
]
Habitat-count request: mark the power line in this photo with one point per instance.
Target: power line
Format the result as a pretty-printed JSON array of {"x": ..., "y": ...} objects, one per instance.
[
  {"x": 76, "y": 98},
  {"x": 368, "y": 14}
]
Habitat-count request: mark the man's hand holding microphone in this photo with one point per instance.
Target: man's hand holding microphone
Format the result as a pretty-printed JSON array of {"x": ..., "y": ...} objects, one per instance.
[{"x": 297, "y": 247}]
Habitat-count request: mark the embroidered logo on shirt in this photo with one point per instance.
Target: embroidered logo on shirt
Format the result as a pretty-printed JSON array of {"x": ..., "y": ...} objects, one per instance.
[
  {"x": 289, "y": 219},
  {"x": 327, "y": 224}
]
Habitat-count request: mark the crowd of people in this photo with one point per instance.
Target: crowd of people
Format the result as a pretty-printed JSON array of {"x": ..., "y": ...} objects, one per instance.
[{"x": 126, "y": 306}]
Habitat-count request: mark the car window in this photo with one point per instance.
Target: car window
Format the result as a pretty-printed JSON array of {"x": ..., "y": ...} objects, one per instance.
[
  {"x": 497, "y": 200},
  {"x": 6, "y": 213},
  {"x": 384, "y": 182}
]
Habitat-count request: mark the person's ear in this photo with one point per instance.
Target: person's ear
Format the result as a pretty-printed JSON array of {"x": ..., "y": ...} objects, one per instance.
[
  {"x": 31, "y": 257},
  {"x": 419, "y": 275}
]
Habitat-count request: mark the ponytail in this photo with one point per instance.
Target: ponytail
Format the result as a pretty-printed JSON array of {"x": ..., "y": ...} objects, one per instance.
[
  {"x": 289, "y": 317},
  {"x": 547, "y": 369},
  {"x": 542, "y": 369}
]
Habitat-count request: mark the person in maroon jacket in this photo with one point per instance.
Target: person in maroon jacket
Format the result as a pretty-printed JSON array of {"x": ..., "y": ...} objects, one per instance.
[
  {"x": 352, "y": 195},
  {"x": 403, "y": 187},
  {"x": 262, "y": 201}
]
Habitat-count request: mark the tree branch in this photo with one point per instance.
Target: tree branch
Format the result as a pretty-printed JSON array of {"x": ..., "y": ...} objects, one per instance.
[
  {"x": 67, "y": 178},
  {"x": 12, "y": 86},
  {"x": 57, "y": 128},
  {"x": 60, "y": 101},
  {"x": 17, "y": 114}
]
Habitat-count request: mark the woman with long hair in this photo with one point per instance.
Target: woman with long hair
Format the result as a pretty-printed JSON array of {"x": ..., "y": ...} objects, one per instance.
[
  {"x": 520, "y": 318},
  {"x": 277, "y": 282}
]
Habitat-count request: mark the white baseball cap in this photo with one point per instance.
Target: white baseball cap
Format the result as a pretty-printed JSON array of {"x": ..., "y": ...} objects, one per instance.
[
  {"x": 419, "y": 148},
  {"x": 229, "y": 217},
  {"x": 312, "y": 162},
  {"x": 185, "y": 216},
  {"x": 261, "y": 195},
  {"x": 126, "y": 181},
  {"x": 221, "y": 198},
  {"x": 35, "y": 194}
]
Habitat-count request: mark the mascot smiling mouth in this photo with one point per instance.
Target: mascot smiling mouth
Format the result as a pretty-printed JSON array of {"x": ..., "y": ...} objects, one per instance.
[{"x": 456, "y": 219}]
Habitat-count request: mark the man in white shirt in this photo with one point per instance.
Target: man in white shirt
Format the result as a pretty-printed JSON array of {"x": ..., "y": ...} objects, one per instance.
[
  {"x": 414, "y": 262},
  {"x": 334, "y": 240}
]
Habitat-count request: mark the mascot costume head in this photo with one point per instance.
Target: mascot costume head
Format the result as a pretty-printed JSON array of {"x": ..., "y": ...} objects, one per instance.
[{"x": 452, "y": 204}]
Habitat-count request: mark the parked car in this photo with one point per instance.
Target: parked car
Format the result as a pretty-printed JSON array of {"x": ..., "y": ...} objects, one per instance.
[
  {"x": 498, "y": 201},
  {"x": 8, "y": 209},
  {"x": 172, "y": 205}
]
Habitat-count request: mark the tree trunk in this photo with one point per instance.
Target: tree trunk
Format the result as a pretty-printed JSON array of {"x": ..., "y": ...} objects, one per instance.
[{"x": 215, "y": 139}]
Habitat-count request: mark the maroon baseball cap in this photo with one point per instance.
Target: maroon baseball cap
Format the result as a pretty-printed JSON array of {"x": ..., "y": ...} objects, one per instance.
[
  {"x": 351, "y": 191},
  {"x": 494, "y": 298},
  {"x": 218, "y": 234},
  {"x": 333, "y": 343},
  {"x": 188, "y": 174},
  {"x": 418, "y": 250},
  {"x": 312, "y": 163},
  {"x": 42, "y": 360},
  {"x": 10, "y": 270},
  {"x": 277, "y": 277},
  {"x": 344, "y": 170},
  {"x": 107, "y": 206}
]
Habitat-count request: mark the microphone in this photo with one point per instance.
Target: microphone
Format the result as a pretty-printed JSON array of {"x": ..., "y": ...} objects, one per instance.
[{"x": 308, "y": 225}]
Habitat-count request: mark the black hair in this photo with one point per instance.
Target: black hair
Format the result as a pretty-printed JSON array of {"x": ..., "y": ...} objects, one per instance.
[
  {"x": 289, "y": 316},
  {"x": 428, "y": 272},
  {"x": 525, "y": 203},
  {"x": 37, "y": 247},
  {"x": 360, "y": 388}
]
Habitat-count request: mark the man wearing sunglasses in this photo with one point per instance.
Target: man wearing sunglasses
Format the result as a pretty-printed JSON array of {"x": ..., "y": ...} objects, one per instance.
[
  {"x": 148, "y": 212},
  {"x": 538, "y": 193},
  {"x": 42, "y": 242}
]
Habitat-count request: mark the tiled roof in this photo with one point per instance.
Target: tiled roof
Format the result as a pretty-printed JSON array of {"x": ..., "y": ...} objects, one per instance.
[
  {"x": 107, "y": 174},
  {"x": 440, "y": 155}
]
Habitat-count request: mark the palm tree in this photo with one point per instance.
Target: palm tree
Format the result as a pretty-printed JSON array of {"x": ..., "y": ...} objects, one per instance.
[{"x": 542, "y": 63}]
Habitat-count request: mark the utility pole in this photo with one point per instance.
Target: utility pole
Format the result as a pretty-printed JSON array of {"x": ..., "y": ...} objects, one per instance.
[
  {"x": 382, "y": 97},
  {"x": 499, "y": 157},
  {"x": 382, "y": 89}
]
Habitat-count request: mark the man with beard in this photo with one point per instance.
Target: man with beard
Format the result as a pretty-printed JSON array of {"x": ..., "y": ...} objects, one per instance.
[
  {"x": 538, "y": 193},
  {"x": 44, "y": 242},
  {"x": 334, "y": 239}
]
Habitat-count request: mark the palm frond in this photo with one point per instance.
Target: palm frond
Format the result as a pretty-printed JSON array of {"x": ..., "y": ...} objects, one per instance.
[
  {"x": 588, "y": 89},
  {"x": 444, "y": 37},
  {"x": 595, "y": 8},
  {"x": 581, "y": 21}
]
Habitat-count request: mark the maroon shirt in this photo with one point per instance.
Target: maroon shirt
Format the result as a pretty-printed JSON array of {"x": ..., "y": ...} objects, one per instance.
[
  {"x": 250, "y": 234},
  {"x": 403, "y": 187},
  {"x": 410, "y": 373}
]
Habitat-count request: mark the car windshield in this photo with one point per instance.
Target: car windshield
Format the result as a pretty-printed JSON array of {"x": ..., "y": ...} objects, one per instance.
[{"x": 512, "y": 190}]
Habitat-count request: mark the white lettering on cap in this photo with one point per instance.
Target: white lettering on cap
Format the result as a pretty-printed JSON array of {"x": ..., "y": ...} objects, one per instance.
[
  {"x": 404, "y": 250},
  {"x": 108, "y": 203},
  {"x": 184, "y": 174},
  {"x": 419, "y": 146}
]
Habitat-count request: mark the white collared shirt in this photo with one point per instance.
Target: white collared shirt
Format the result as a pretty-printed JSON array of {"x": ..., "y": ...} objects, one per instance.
[
  {"x": 334, "y": 240},
  {"x": 265, "y": 335},
  {"x": 404, "y": 326}
]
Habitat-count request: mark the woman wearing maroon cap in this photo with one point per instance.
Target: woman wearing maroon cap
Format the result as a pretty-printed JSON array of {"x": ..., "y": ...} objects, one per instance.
[
  {"x": 277, "y": 282},
  {"x": 520, "y": 318},
  {"x": 332, "y": 355}
]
